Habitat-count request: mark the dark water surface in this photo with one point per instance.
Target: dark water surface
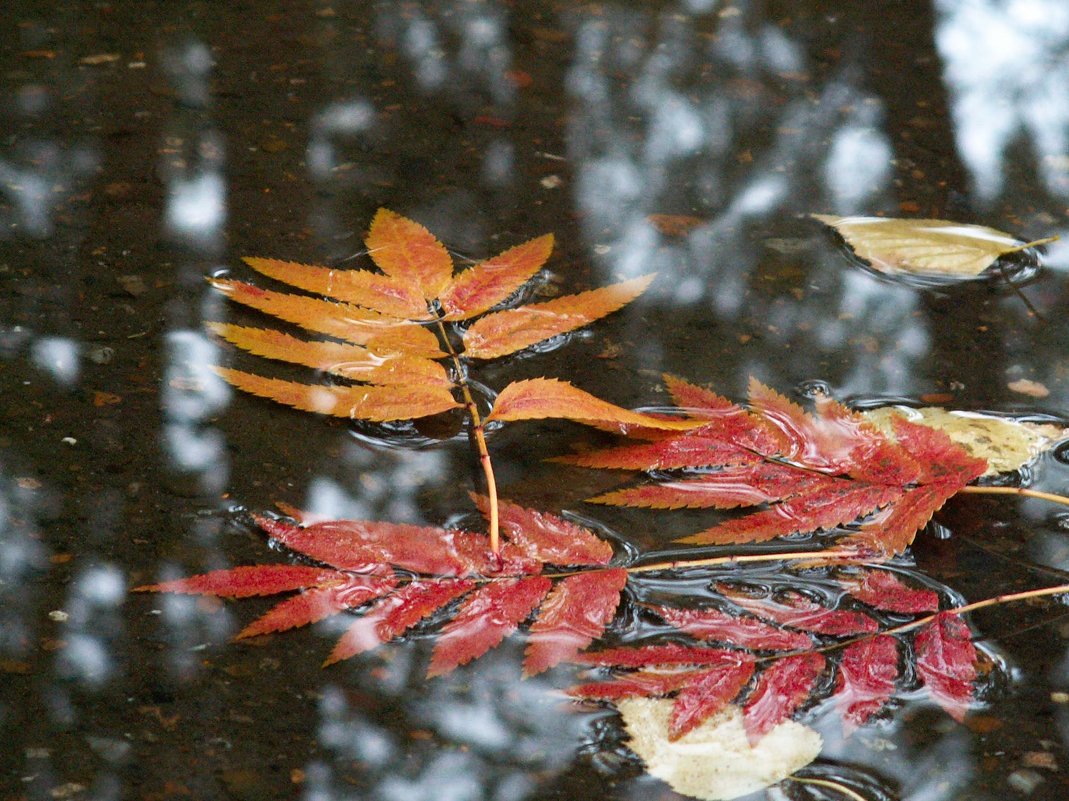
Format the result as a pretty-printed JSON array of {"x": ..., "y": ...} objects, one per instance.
[{"x": 145, "y": 145}]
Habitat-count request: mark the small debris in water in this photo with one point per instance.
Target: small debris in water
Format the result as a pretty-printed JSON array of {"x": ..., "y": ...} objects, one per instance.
[{"x": 1024, "y": 386}]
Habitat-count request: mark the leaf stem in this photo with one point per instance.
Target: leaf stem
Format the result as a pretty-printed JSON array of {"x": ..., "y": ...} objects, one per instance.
[
  {"x": 1028, "y": 493},
  {"x": 480, "y": 439}
]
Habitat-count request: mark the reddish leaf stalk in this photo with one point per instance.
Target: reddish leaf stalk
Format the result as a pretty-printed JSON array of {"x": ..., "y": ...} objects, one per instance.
[{"x": 480, "y": 441}]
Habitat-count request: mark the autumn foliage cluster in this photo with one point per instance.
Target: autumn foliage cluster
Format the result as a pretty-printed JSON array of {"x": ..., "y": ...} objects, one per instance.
[{"x": 399, "y": 343}]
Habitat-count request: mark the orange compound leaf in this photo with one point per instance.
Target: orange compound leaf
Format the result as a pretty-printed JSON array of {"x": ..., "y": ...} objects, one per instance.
[
  {"x": 882, "y": 589},
  {"x": 511, "y": 330},
  {"x": 780, "y": 689},
  {"x": 799, "y": 612},
  {"x": 363, "y": 401},
  {"x": 341, "y": 320},
  {"x": 835, "y": 504},
  {"x": 742, "y": 632},
  {"x": 406, "y": 251},
  {"x": 397, "y": 613},
  {"x": 381, "y": 293},
  {"x": 363, "y": 544},
  {"x": 946, "y": 663},
  {"x": 486, "y": 617},
  {"x": 572, "y": 616},
  {"x": 354, "y": 362},
  {"x": 249, "y": 580},
  {"x": 319, "y": 603},
  {"x": 868, "y": 671},
  {"x": 708, "y": 693},
  {"x": 548, "y": 538},
  {"x": 542, "y": 398},
  {"x": 488, "y": 283}
]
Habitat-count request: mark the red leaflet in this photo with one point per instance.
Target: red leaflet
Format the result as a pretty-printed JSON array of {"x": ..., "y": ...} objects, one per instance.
[
  {"x": 644, "y": 684},
  {"x": 946, "y": 663},
  {"x": 361, "y": 545},
  {"x": 246, "y": 581},
  {"x": 799, "y": 612},
  {"x": 743, "y": 632},
  {"x": 319, "y": 603},
  {"x": 867, "y": 674},
  {"x": 708, "y": 693},
  {"x": 396, "y": 614},
  {"x": 882, "y": 589},
  {"x": 780, "y": 689},
  {"x": 548, "y": 538},
  {"x": 487, "y": 615},
  {"x": 814, "y": 471},
  {"x": 571, "y": 617},
  {"x": 668, "y": 654}
]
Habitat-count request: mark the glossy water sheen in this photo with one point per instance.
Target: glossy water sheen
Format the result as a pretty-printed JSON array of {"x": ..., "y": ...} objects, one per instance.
[{"x": 145, "y": 145}]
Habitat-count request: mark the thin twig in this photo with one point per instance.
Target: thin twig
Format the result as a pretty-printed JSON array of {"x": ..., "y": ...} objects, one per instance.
[{"x": 1028, "y": 493}]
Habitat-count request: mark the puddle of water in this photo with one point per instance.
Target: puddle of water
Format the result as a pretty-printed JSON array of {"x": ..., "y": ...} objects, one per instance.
[{"x": 143, "y": 148}]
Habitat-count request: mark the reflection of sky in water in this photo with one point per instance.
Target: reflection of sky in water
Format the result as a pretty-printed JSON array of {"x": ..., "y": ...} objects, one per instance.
[{"x": 1005, "y": 65}]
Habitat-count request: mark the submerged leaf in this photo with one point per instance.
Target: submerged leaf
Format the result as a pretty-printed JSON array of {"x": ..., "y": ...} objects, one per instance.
[
  {"x": 715, "y": 761},
  {"x": 925, "y": 247},
  {"x": 1005, "y": 444},
  {"x": 946, "y": 663}
]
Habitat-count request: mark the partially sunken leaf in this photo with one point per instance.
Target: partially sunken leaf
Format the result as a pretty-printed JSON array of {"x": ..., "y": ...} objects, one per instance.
[
  {"x": 925, "y": 247},
  {"x": 488, "y": 283},
  {"x": 548, "y": 538},
  {"x": 882, "y": 589},
  {"x": 364, "y": 402},
  {"x": 709, "y": 693},
  {"x": 405, "y": 250},
  {"x": 743, "y": 632},
  {"x": 1005, "y": 444},
  {"x": 542, "y": 398},
  {"x": 511, "y": 330},
  {"x": 385, "y": 294},
  {"x": 354, "y": 362},
  {"x": 780, "y": 689},
  {"x": 715, "y": 761}
]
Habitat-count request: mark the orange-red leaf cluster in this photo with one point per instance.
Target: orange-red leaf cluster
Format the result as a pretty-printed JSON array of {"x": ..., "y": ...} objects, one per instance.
[{"x": 812, "y": 471}]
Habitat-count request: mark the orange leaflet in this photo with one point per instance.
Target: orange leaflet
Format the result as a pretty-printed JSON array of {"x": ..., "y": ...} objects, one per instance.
[
  {"x": 404, "y": 249},
  {"x": 511, "y": 330},
  {"x": 477, "y": 289},
  {"x": 367, "y": 402},
  {"x": 541, "y": 398},
  {"x": 338, "y": 358}
]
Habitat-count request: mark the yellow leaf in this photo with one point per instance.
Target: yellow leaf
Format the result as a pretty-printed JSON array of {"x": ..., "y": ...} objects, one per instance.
[
  {"x": 349, "y": 361},
  {"x": 362, "y": 402},
  {"x": 511, "y": 330},
  {"x": 925, "y": 247},
  {"x": 715, "y": 761}
]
